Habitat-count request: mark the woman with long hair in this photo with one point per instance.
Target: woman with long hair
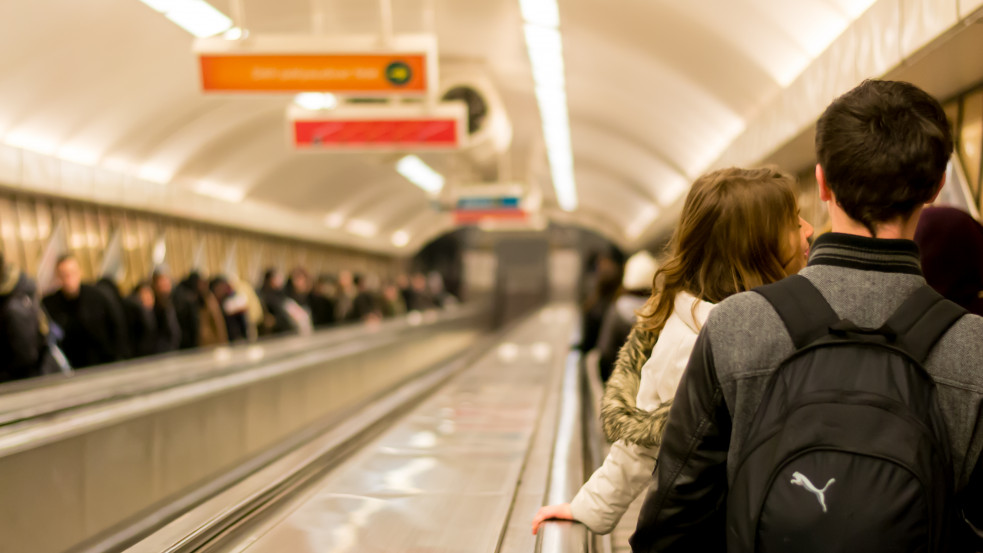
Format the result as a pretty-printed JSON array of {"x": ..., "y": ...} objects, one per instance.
[{"x": 739, "y": 229}]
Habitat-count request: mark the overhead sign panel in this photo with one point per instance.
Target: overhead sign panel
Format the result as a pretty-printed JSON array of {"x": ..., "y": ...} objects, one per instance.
[
  {"x": 471, "y": 210},
  {"x": 288, "y": 65},
  {"x": 362, "y": 74},
  {"x": 379, "y": 128}
]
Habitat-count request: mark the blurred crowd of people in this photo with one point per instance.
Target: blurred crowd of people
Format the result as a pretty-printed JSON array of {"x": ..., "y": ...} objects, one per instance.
[{"x": 84, "y": 324}]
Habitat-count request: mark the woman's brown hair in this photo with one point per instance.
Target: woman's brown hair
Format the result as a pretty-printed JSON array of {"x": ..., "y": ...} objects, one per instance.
[{"x": 733, "y": 235}]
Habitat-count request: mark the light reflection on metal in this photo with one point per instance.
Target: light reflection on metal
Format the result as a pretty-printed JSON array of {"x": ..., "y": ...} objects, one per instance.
[
  {"x": 541, "y": 352},
  {"x": 223, "y": 354},
  {"x": 255, "y": 353},
  {"x": 508, "y": 352}
]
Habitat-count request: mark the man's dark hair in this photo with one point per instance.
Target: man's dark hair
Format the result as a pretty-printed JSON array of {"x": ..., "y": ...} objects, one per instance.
[
  {"x": 883, "y": 147},
  {"x": 63, "y": 258}
]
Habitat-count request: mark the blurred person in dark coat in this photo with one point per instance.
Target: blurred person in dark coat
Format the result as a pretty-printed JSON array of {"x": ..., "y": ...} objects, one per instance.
[
  {"x": 22, "y": 325},
  {"x": 277, "y": 319},
  {"x": 117, "y": 315},
  {"x": 620, "y": 317},
  {"x": 403, "y": 284},
  {"x": 418, "y": 297},
  {"x": 950, "y": 243},
  {"x": 605, "y": 284},
  {"x": 323, "y": 302},
  {"x": 299, "y": 288},
  {"x": 392, "y": 301},
  {"x": 139, "y": 308},
  {"x": 168, "y": 328},
  {"x": 85, "y": 317}
]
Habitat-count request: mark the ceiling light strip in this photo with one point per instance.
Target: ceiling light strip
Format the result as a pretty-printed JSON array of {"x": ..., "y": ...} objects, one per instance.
[
  {"x": 195, "y": 16},
  {"x": 545, "y": 45},
  {"x": 420, "y": 174}
]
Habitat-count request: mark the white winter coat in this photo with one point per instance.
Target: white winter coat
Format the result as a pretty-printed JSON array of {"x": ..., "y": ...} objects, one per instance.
[{"x": 627, "y": 470}]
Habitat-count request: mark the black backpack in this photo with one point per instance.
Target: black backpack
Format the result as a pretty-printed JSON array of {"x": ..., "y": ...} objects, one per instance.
[{"x": 848, "y": 451}]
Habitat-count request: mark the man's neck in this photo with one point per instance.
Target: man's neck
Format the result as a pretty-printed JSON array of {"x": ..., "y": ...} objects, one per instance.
[{"x": 900, "y": 228}]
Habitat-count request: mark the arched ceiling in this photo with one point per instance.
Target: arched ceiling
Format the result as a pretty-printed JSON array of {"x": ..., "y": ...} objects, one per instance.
[{"x": 657, "y": 92}]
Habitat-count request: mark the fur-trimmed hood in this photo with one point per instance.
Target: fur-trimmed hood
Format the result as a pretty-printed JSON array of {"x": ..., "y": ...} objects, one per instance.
[
  {"x": 639, "y": 416},
  {"x": 620, "y": 417}
]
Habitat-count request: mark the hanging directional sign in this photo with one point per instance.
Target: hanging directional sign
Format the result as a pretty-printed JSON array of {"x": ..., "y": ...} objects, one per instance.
[
  {"x": 415, "y": 127},
  {"x": 343, "y": 65},
  {"x": 478, "y": 204}
]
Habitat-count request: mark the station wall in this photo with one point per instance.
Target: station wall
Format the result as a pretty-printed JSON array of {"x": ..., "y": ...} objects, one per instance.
[{"x": 27, "y": 222}]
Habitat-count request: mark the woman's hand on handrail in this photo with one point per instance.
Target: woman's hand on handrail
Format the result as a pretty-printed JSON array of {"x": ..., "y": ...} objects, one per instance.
[{"x": 560, "y": 511}]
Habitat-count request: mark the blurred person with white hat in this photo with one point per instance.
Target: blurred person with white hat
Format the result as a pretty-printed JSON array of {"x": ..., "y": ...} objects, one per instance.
[{"x": 636, "y": 288}]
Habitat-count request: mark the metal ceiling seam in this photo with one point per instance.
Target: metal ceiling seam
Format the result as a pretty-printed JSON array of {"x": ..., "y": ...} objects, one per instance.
[
  {"x": 199, "y": 130},
  {"x": 593, "y": 124},
  {"x": 674, "y": 33},
  {"x": 356, "y": 208},
  {"x": 633, "y": 187},
  {"x": 671, "y": 87},
  {"x": 235, "y": 152}
]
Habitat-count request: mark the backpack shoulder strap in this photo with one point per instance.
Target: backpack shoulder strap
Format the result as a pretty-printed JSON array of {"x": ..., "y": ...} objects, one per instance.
[
  {"x": 922, "y": 320},
  {"x": 805, "y": 312}
]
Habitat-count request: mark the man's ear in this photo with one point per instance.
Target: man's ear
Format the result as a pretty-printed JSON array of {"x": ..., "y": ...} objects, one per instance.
[
  {"x": 825, "y": 194},
  {"x": 939, "y": 190}
]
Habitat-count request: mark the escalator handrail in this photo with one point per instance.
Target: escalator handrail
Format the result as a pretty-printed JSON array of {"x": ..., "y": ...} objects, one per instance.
[
  {"x": 55, "y": 394},
  {"x": 54, "y": 426},
  {"x": 568, "y": 465}
]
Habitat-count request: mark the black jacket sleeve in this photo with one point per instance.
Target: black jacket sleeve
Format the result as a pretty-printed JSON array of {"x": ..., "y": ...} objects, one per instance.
[
  {"x": 685, "y": 510},
  {"x": 968, "y": 534}
]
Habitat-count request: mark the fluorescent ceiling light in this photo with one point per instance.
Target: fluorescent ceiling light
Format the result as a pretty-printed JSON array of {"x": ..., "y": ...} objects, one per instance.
[
  {"x": 540, "y": 12},
  {"x": 316, "y": 100},
  {"x": 235, "y": 33},
  {"x": 157, "y": 175},
  {"x": 160, "y": 5},
  {"x": 30, "y": 142},
  {"x": 546, "y": 55},
  {"x": 334, "y": 220},
  {"x": 195, "y": 16},
  {"x": 362, "y": 228},
  {"x": 401, "y": 238},
  {"x": 545, "y": 45},
  {"x": 420, "y": 174},
  {"x": 224, "y": 192},
  {"x": 79, "y": 155}
]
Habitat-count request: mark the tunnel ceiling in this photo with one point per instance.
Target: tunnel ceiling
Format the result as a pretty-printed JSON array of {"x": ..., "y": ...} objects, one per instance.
[{"x": 658, "y": 92}]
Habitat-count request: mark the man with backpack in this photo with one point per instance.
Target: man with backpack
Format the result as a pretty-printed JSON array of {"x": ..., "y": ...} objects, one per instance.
[
  {"x": 22, "y": 333},
  {"x": 839, "y": 409}
]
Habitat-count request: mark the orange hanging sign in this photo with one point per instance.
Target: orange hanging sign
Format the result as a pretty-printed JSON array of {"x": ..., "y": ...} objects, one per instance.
[{"x": 371, "y": 74}]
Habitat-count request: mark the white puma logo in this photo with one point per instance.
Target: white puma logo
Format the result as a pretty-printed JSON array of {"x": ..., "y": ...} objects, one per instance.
[{"x": 800, "y": 479}]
